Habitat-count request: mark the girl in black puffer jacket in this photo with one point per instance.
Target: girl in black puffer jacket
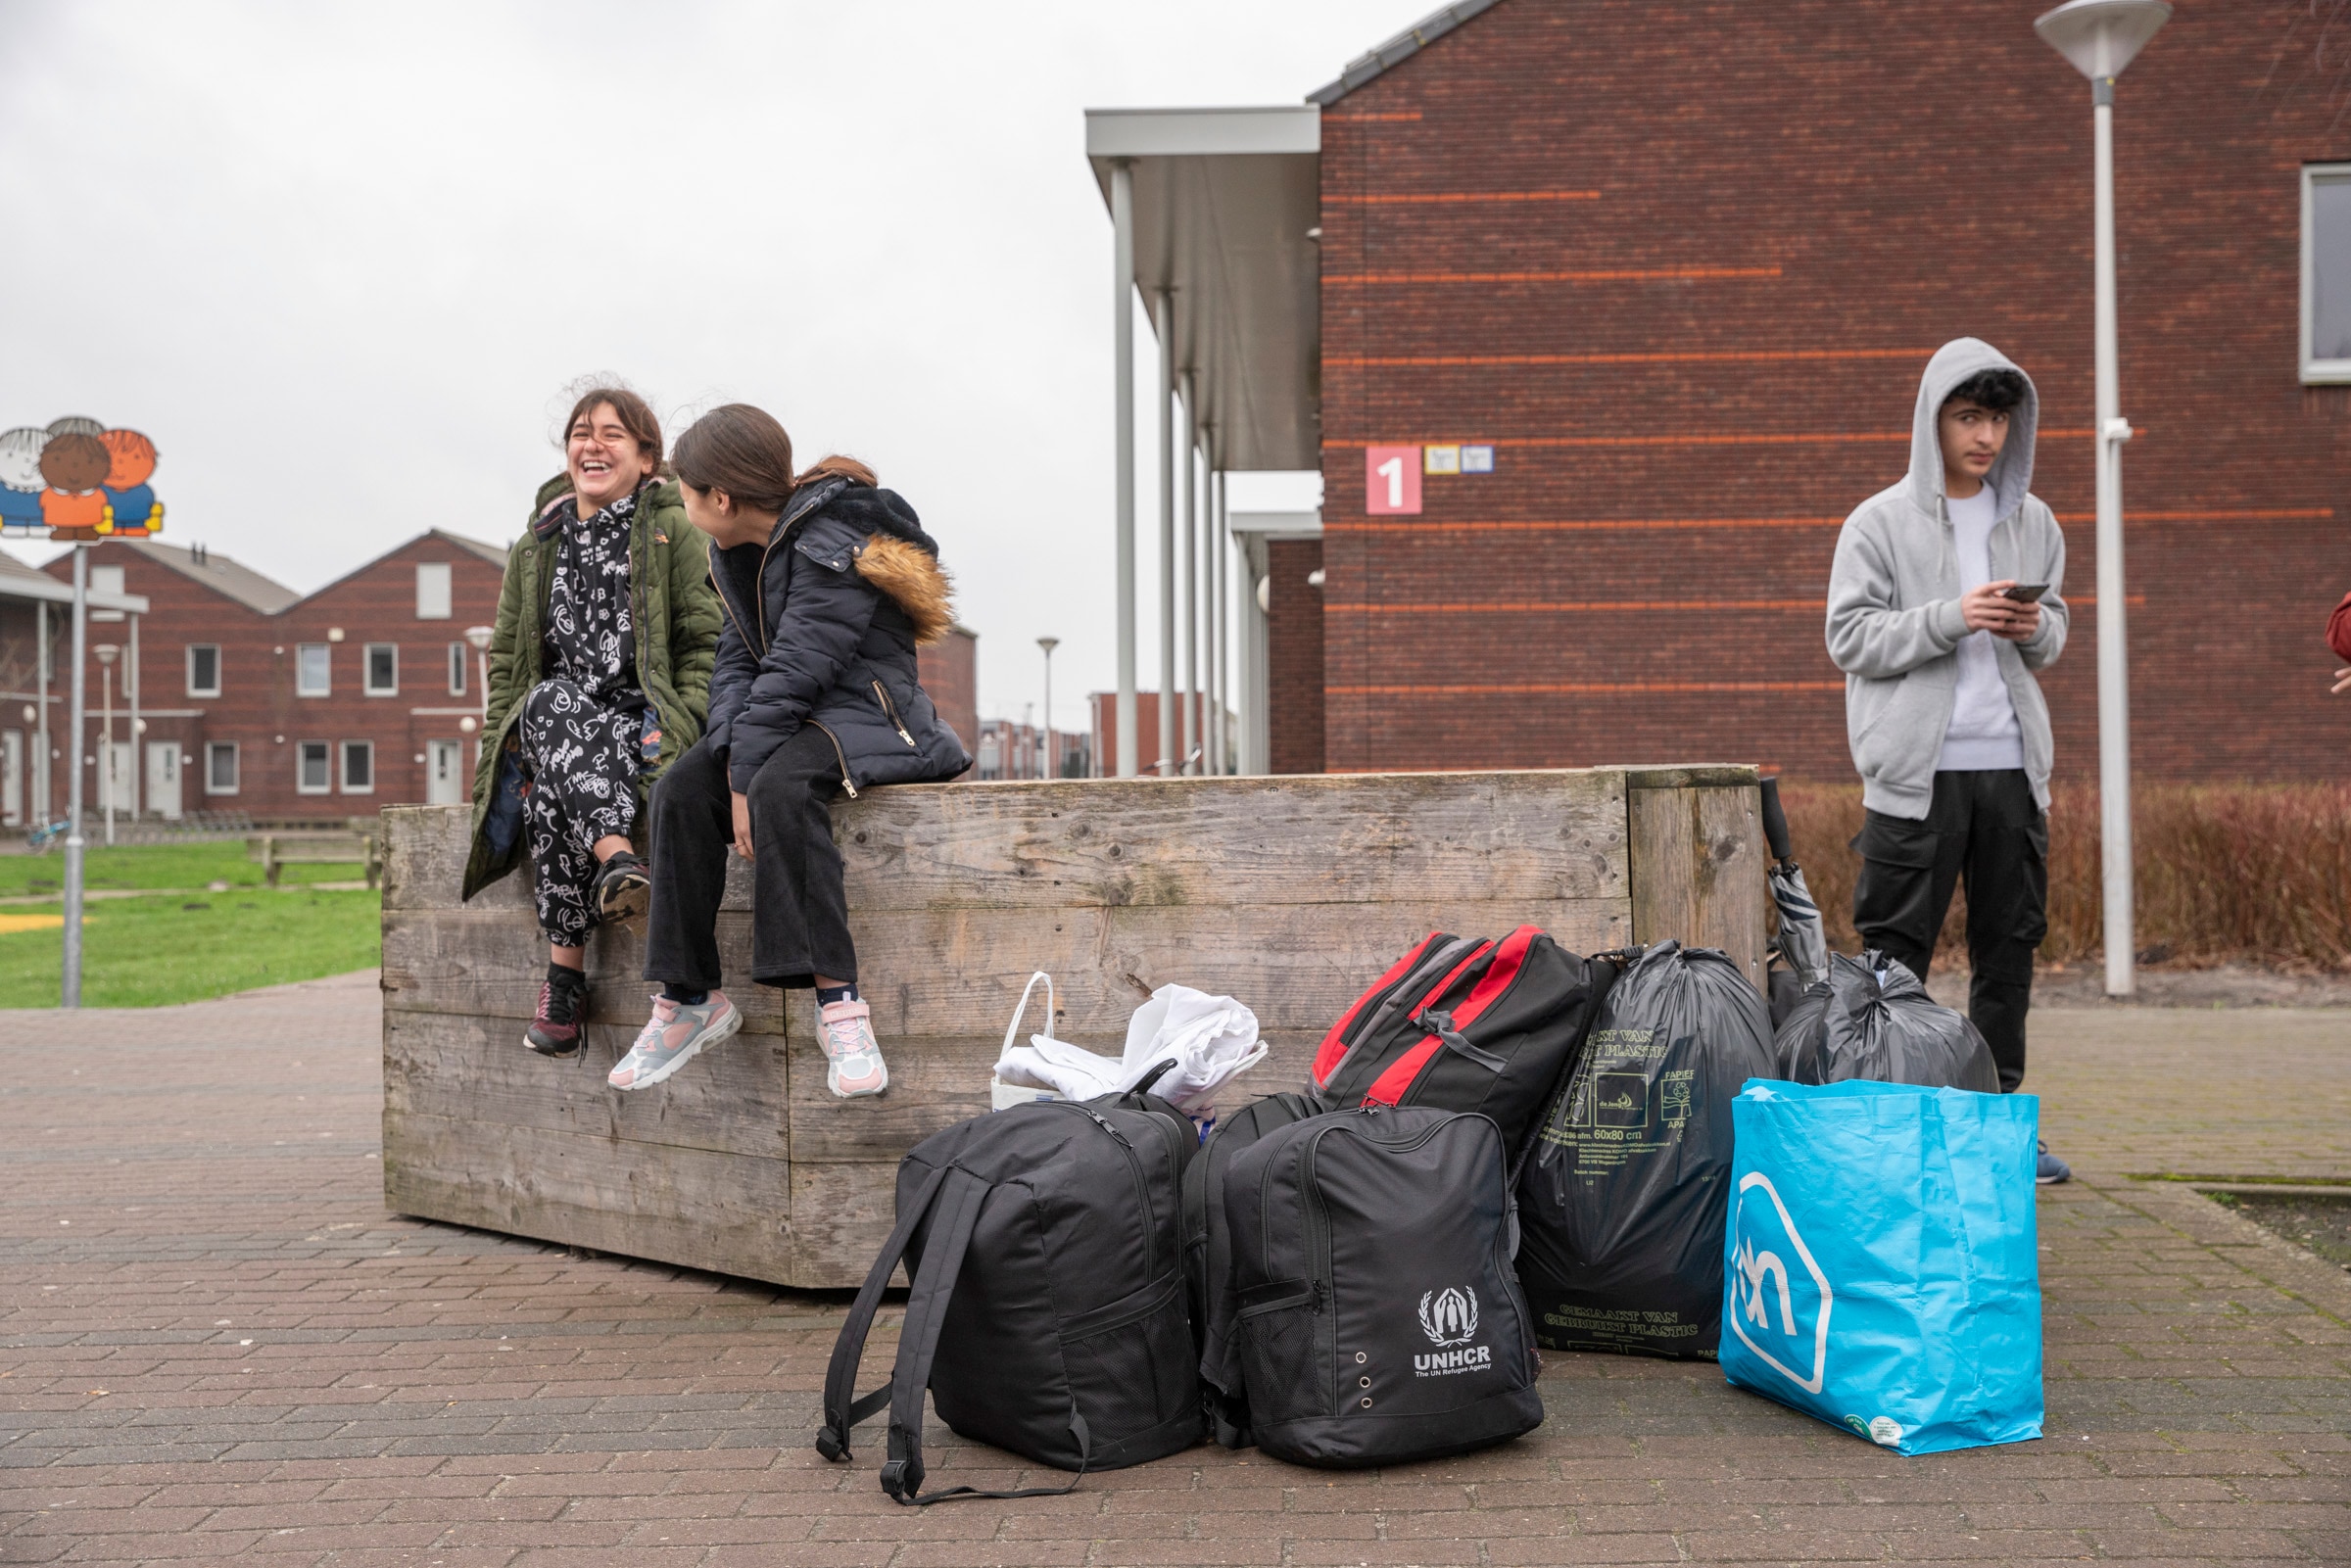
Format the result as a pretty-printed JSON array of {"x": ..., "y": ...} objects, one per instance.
[{"x": 829, "y": 585}]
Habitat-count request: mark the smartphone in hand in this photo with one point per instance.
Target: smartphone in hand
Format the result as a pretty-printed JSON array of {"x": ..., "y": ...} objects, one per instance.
[{"x": 2024, "y": 593}]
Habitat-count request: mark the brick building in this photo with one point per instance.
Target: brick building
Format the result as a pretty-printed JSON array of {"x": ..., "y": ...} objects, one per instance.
[
  {"x": 1678, "y": 268},
  {"x": 285, "y": 707}
]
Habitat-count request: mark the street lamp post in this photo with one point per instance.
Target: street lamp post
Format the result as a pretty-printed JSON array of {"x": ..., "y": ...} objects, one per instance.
[
  {"x": 70, "y": 966},
  {"x": 107, "y": 653},
  {"x": 1052, "y": 767},
  {"x": 2099, "y": 37}
]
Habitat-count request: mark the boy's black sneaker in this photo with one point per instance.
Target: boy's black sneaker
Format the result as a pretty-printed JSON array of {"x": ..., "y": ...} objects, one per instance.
[
  {"x": 623, "y": 888},
  {"x": 563, "y": 1003}
]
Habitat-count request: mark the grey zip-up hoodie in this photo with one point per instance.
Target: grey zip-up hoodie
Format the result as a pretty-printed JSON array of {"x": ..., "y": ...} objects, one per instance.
[{"x": 1893, "y": 600}]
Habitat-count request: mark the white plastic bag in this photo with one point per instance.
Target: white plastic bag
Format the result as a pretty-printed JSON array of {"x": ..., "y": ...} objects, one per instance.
[
  {"x": 1207, "y": 1038},
  {"x": 1003, "y": 1094}
]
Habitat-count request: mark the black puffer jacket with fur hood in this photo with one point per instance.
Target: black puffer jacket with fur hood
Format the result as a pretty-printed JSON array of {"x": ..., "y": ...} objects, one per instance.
[{"x": 822, "y": 626}]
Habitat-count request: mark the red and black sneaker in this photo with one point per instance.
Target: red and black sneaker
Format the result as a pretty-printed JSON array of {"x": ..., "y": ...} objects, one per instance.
[{"x": 563, "y": 1003}]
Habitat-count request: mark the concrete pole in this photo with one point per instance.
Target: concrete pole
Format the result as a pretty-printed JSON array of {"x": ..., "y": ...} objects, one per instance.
[
  {"x": 1121, "y": 223},
  {"x": 109, "y": 785},
  {"x": 1165, "y": 324},
  {"x": 42, "y": 771},
  {"x": 1220, "y": 656},
  {"x": 2113, "y": 649},
  {"x": 69, "y": 989},
  {"x": 1191, "y": 576}
]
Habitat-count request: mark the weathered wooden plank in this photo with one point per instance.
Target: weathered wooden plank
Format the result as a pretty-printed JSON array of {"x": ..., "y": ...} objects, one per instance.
[
  {"x": 726, "y": 1213},
  {"x": 732, "y": 1099},
  {"x": 959, "y": 972},
  {"x": 1697, "y": 870},
  {"x": 1531, "y": 837},
  {"x": 1692, "y": 776}
]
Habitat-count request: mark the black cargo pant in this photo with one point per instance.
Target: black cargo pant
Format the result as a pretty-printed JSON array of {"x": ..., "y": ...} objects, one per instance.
[
  {"x": 1985, "y": 831},
  {"x": 799, "y": 911}
]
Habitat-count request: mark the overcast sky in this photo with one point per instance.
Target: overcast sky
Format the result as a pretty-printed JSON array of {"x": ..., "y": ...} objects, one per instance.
[{"x": 340, "y": 261}]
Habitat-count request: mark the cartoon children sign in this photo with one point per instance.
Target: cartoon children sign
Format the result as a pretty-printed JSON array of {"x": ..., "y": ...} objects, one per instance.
[{"x": 79, "y": 480}]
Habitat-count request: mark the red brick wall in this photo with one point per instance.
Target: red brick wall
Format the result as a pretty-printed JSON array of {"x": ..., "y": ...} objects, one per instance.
[
  {"x": 1294, "y": 636},
  {"x": 1853, "y": 181},
  {"x": 950, "y": 673}
]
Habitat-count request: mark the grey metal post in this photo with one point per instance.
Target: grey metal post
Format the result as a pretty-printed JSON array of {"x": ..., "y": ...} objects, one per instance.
[
  {"x": 42, "y": 771},
  {"x": 1165, "y": 324},
  {"x": 109, "y": 785},
  {"x": 1121, "y": 225},
  {"x": 1220, "y": 656},
  {"x": 1191, "y": 575},
  {"x": 139, "y": 741},
  {"x": 2113, "y": 649},
  {"x": 70, "y": 988}
]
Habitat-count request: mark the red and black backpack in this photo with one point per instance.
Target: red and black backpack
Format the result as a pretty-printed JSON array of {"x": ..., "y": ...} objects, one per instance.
[{"x": 1466, "y": 1024}]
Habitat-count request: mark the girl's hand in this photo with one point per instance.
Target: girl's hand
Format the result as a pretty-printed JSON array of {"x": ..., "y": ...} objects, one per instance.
[
  {"x": 743, "y": 825},
  {"x": 2343, "y": 682}
]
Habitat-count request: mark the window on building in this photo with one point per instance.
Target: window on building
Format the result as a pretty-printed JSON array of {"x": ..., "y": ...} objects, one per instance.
[
  {"x": 106, "y": 580},
  {"x": 2327, "y": 272},
  {"x": 203, "y": 668},
  {"x": 310, "y": 670},
  {"x": 359, "y": 767},
  {"x": 313, "y": 765},
  {"x": 456, "y": 669},
  {"x": 432, "y": 590},
  {"x": 383, "y": 669},
  {"x": 220, "y": 768}
]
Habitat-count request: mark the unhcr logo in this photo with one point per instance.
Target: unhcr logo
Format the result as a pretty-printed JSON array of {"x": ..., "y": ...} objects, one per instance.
[{"x": 1448, "y": 1317}]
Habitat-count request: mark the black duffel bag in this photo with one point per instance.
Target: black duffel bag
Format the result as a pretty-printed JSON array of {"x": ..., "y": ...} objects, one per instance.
[
  {"x": 1622, "y": 1199},
  {"x": 1048, "y": 1313},
  {"x": 1378, "y": 1319},
  {"x": 1873, "y": 1019}
]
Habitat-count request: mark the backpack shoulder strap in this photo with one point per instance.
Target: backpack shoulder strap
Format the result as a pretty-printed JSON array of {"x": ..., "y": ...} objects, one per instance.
[
  {"x": 960, "y": 1198},
  {"x": 843, "y": 1409}
]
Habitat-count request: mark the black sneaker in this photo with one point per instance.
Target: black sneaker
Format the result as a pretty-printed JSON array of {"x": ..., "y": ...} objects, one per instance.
[
  {"x": 623, "y": 888},
  {"x": 563, "y": 1003}
]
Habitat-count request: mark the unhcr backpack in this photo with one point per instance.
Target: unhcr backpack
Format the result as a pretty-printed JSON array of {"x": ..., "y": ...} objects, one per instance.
[
  {"x": 1378, "y": 1322},
  {"x": 1466, "y": 1024},
  {"x": 1047, "y": 1315},
  {"x": 1210, "y": 1267},
  {"x": 1621, "y": 1199}
]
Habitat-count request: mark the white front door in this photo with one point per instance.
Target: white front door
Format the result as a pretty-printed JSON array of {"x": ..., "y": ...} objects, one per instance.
[
  {"x": 11, "y": 778},
  {"x": 115, "y": 781},
  {"x": 445, "y": 773},
  {"x": 162, "y": 779}
]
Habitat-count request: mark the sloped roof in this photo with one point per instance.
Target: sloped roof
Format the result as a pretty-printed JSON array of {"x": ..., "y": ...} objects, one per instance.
[
  {"x": 219, "y": 573},
  {"x": 1406, "y": 44},
  {"x": 19, "y": 581},
  {"x": 494, "y": 554}
]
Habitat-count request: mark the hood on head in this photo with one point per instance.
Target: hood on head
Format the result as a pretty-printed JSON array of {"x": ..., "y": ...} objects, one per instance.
[{"x": 2011, "y": 473}]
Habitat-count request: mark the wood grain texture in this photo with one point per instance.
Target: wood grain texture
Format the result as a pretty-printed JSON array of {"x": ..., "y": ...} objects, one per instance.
[
  {"x": 1698, "y": 870},
  {"x": 1291, "y": 894}
]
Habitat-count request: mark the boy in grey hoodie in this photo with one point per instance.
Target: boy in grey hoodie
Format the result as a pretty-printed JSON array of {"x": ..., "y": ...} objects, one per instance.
[{"x": 1945, "y": 717}]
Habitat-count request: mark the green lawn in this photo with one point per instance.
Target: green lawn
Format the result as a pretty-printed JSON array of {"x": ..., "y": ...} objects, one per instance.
[
  {"x": 153, "y": 866},
  {"x": 184, "y": 946}
]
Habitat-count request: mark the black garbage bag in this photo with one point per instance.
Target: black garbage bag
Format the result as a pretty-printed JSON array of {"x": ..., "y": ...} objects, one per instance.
[
  {"x": 1873, "y": 1019},
  {"x": 1622, "y": 1201}
]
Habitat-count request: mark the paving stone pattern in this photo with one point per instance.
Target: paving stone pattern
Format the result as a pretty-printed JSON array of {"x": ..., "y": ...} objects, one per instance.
[{"x": 215, "y": 1343}]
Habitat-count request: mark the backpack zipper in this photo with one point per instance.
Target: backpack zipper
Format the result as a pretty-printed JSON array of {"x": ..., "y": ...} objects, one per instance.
[
  {"x": 1143, "y": 1191},
  {"x": 891, "y": 711}
]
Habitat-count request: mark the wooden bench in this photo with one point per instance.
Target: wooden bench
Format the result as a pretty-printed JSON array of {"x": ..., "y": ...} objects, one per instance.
[
  {"x": 1289, "y": 893},
  {"x": 275, "y": 851}
]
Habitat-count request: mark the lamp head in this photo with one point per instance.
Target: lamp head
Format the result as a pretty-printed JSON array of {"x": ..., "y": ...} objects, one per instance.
[
  {"x": 2099, "y": 37},
  {"x": 1048, "y": 643},
  {"x": 479, "y": 637},
  {"x": 107, "y": 652}
]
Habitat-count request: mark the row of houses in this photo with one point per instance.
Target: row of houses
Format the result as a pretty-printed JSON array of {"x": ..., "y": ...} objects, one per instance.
[{"x": 231, "y": 693}]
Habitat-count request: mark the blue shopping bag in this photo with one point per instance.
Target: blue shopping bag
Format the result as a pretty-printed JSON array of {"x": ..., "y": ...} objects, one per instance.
[{"x": 1881, "y": 1266}]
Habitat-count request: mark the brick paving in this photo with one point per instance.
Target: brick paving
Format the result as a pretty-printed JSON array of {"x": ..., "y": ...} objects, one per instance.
[{"x": 215, "y": 1343}]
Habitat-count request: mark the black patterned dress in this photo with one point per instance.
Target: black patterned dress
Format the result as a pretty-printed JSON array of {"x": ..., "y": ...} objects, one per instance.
[{"x": 583, "y": 725}]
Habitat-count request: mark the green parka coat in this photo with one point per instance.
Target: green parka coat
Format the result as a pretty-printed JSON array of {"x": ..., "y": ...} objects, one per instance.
[{"x": 676, "y": 614}]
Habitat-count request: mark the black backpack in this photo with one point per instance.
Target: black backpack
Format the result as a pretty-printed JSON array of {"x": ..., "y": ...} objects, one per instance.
[
  {"x": 1466, "y": 1024},
  {"x": 1379, "y": 1318},
  {"x": 1048, "y": 1314},
  {"x": 1210, "y": 1271}
]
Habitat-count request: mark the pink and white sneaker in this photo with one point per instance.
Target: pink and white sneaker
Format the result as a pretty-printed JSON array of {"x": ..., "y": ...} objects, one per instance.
[
  {"x": 672, "y": 1036},
  {"x": 853, "y": 1064}
]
